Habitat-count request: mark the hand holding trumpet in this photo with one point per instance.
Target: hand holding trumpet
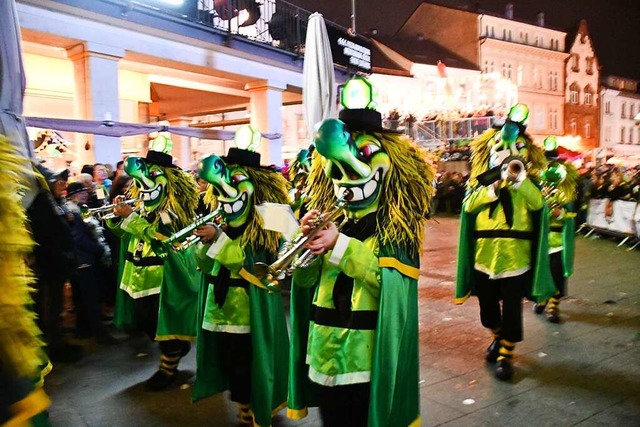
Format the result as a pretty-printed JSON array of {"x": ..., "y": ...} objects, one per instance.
[
  {"x": 121, "y": 209},
  {"x": 325, "y": 239}
]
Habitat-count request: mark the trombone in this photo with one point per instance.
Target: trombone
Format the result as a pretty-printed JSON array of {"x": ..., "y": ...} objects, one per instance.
[
  {"x": 106, "y": 211},
  {"x": 183, "y": 239},
  {"x": 294, "y": 253}
]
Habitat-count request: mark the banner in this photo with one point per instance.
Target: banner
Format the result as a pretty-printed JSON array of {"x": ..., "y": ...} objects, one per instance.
[{"x": 617, "y": 216}]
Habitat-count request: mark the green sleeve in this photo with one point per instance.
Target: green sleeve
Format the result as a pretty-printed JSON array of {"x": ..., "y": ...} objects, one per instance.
[
  {"x": 477, "y": 199},
  {"x": 531, "y": 194},
  {"x": 139, "y": 228},
  {"x": 204, "y": 262},
  {"x": 228, "y": 252},
  {"x": 114, "y": 226},
  {"x": 359, "y": 262}
]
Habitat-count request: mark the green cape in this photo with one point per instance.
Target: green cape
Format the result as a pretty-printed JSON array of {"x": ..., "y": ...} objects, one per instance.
[
  {"x": 270, "y": 343},
  {"x": 542, "y": 287},
  {"x": 394, "y": 399}
]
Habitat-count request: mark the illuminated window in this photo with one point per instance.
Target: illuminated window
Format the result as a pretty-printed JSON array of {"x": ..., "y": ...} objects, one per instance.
[
  {"x": 587, "y": 130},
  {"x": 623, "y": 134},
  {"x": 623, "y": 111},
  {"x": 607, "y": 107},
  {"x": 574, "y": 93},
  {"x": 632, "y": 110},
  {"x": 588, "y": 95},
  {"x": 573, "y": 126}
]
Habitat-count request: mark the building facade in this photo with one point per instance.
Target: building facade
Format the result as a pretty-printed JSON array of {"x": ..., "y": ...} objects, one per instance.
[
  {"x": 531, "y": 56},
  {"x": 582, "y": 99},
  {"x": 620, "y": 116}
]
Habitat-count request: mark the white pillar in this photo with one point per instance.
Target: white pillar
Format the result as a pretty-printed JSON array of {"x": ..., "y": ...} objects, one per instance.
[
  {"x": 96, "y": 77},
  {"x": 181, "y": 144},
  {"x": 266, "y": 115}
]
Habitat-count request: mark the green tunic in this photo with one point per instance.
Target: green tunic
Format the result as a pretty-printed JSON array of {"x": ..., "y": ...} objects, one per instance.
[
  {"x": 504, "y": 256},
  {"x": 171, "y": 274},
  {"x": 385, "y": 281},
  {"x": 246, "y": 309},
  {"x": 562, "y": 237}
]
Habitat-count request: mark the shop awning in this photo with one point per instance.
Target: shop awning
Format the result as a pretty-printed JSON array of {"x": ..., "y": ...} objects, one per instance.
[{"x": 118, "y": 129}]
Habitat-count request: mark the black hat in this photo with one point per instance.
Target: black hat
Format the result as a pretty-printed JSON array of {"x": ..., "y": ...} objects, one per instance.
[
  {"x": 242, "y": 157},
  {"x": 159, "y": 158},
  {"x": 52, "y": 176},
  {"x": 75, "y": 187},
  {"x": 363, "y": 120}
]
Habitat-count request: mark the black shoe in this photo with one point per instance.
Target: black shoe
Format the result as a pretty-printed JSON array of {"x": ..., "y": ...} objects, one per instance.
[
  {"x": 504, "y": 370},
  {"x": 493, "y": 351},
  {"x": 538, "y": 308},
  {"x": 160, "y": 380},
  {"x": 553, "y": 315},
  {"x": 66, "y": 353}
]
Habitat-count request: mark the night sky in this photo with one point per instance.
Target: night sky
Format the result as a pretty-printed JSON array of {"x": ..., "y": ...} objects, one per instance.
[{"x": 614, "y": 24}]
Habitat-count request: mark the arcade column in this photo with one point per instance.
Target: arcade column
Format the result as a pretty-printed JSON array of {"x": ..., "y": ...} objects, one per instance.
[
  {"x": 97, "y": 98},
  {"x": 266, "y": 115}
]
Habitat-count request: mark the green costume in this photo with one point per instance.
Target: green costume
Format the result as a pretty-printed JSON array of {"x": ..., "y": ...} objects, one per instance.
[
  {"x": 504, "y": 230},
  {"x": 147, "y": 267},
  {"x": 527, "y": 245},
  {"x": 354, "y": 310},
  {"x": 233, "y": 301}
]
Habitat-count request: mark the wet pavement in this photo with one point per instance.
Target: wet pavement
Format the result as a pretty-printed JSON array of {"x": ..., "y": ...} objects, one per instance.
[{"x": 584, "y": 371}]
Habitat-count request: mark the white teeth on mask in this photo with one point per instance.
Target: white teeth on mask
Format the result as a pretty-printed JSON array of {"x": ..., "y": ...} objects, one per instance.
[
  {"x": 237, "y": 206},
  {"x": 155, "y": 194},
  {"x": 357, "y": 194},
  {"x": 227, "y": 208},
  {"x": 369, "y": 188}
]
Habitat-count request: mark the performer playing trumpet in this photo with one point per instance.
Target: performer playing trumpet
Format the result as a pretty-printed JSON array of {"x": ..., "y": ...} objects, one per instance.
[
  {"x": 355, "y": 308},
  {"x": 242, "y": 340},
  {"x": 501, "y": 223},
  {"x": 158, "y": 288}
]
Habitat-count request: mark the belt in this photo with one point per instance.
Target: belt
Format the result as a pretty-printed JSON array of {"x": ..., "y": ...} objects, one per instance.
[
  {"x": 145, "y": 261},
  {"x": 358, "y": 319},
  {"x": 505, "y": 234}
]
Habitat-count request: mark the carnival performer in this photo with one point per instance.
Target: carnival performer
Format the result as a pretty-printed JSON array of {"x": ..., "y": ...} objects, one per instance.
[
  {"x": 298, "y": 172},
  {"x": 23, "y": 363},
  {"x": 354, "y": 309},
  {"x": 242, "y": 343},
  {"x": 559, "y": 188},
  {"x": 503, "y": 253},
  {"x": 159, "y": 287}
]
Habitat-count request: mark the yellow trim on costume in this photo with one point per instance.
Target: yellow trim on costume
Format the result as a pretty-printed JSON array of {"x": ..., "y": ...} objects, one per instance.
[
  {"x": 407, "y": 270},
  {"x": 278, "y": 408},
  {"x": 27, "y": 408},
  {"x": 571, "y": 215},
  {"x": 175, "y": 337},
  {"x": 297, "y": 414},
  {"x": 462, "y": 300},
  {"x": 415, "y": 423},
  {"x": 251, "y": 279}
]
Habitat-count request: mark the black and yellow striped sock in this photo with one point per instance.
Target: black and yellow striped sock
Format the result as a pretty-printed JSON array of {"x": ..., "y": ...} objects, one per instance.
[
  {"x": 169, "y": 364},
  {"x": 245, "y": 414},
  {"x": 506, "y": 350}
]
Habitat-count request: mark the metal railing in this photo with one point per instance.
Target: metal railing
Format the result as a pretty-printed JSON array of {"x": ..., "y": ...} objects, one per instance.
[{"x": 434, "y": 134}]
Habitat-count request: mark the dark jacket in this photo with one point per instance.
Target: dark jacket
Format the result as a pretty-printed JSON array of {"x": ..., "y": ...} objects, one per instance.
[
  {"x": 54, "y": 253},
  {"x": 88, "y": 249}
]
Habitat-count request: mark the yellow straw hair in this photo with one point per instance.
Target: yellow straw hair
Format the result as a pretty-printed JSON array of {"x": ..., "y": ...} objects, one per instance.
[{"x": 20, "y": 346}]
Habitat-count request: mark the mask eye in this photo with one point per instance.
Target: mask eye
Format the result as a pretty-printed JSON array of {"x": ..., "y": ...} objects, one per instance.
[
  {"x": 368, "y": 150},
  {"x": 155, "y": 173},
  {"x": 238, "y": 178}
]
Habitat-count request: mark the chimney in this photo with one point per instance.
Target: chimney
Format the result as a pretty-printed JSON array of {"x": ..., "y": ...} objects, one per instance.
[
  {"x": 541, "y": 19},
  {"x": 508, "y": 11}
]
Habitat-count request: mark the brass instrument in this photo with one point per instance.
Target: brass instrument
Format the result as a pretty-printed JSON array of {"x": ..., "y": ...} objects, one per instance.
[
  {"x": 514, "y": 167},
  {"x": 553, "y": 176},
  {"x": 106, "y": 211},
  {"x": 294, "y": 253},
  {"x": 183, "y": 239}
]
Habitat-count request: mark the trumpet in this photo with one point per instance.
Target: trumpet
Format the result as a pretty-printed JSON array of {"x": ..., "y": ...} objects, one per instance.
[
  {"x": 183, "y": 239},
  {"x": 106, "y": 211},
  {"x": 294, "y": 254},
  {"x": 514, "y": 167}
]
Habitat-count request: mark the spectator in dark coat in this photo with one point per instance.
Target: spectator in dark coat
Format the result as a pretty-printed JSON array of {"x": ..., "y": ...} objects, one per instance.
[{"x": 53, "y": 261}]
